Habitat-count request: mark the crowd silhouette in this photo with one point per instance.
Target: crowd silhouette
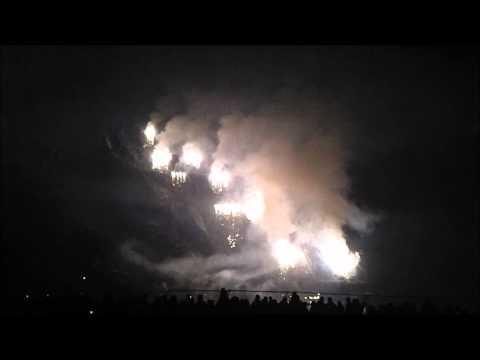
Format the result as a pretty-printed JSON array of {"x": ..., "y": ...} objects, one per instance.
[{"x": 171, "y": 305}]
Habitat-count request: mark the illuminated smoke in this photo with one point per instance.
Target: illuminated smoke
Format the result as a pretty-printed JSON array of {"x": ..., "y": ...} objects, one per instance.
[
  {"x": 161, "y": 157},
  {"x": 219, "y": 178},
  {"x": 289, "y": 156},
  {"x": 288, "y": 255},
  {"x": 299, "y": 171},
  {"x": 334, "y": 251},
  {"x": 191, "y": 155},
  {"x": 228, "y": 209},
  {"x": 253, "y": 206},
  {"x": 150, "y": 133}
]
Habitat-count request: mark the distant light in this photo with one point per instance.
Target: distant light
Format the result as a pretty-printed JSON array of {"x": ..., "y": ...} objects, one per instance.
[
  {"x": 84, "y": 277},
  {"x": 27, "y": 296},
  {"x": 47, "y": 295},
  {"x": 91, "y": 312}
]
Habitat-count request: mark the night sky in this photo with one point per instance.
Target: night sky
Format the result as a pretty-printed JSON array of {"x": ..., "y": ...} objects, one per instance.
[{"x": 413, "y": 112}]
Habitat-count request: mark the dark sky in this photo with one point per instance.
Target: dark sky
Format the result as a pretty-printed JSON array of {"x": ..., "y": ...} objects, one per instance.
[{"x": 412, "y": 108}]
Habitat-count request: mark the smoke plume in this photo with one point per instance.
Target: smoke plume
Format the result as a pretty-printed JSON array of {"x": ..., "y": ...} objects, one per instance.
[{"x": 291, "y": 148}]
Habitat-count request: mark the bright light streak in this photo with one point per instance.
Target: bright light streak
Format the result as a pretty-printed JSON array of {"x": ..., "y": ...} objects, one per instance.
[
  {"x": 253, "y": 206},
  {"x": 178, "y": 177},
  {"x": 150, "y": 133},
  {"x": 228, "y": 209},
  {"x": 191, "y": 155},
  {"x": 219, "y": 179},
  {"x": 288, "y": 255},
  {"x": 336, "y": 254},
  {"x": 161, "y": 157}
]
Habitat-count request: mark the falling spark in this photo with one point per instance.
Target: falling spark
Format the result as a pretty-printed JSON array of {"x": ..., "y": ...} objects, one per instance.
[
  {"x": 288, "y": 255},
  {"x": 161, "y": 157},
  {"x": 232, "y": 240},
  {"x": 178, "y": 177},
  {"x": 232, "y": 220},
  {"x": 150, "y": 133},
  {"x": 191, "y": 155}
]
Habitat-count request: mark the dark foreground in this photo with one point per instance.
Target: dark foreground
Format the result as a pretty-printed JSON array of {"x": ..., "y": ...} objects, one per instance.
[{"x": 168, "y": 306}]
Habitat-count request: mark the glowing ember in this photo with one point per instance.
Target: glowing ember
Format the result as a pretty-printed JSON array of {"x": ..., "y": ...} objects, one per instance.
[
  {"x": 228, "y": 209},
  {"x": 161, "y": 157},
  {"x": 336, "y": 254},
  {"x": 178, "y": 177},
  {"x": 191, "y": 155},
  {"x": 288, "y": 255},
  {"x": 219, "y": 179},
  {"x": 150, "y": 133}
]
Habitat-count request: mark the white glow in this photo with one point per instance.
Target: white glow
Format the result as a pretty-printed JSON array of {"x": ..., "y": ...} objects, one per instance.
[
  {"x": 150, "y": 133},
  {"x": 191, "y": 155},
  {"x": 178, "y": 177},
  {"x": 161, "y": 157},
  {"x": 287, "y": 254},
  {"x": 219, "y": 179},
  {"x": 253, "y": 206},
  {"x": 228, "y": 209},
  {"x": 336, "y": 254}
]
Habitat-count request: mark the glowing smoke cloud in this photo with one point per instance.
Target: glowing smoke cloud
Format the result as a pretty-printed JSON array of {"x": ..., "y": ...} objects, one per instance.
[
  {"x": 161, "y": 157},
  {"x": 303, "y": 185},
  {"x": 252, "y": 207},
  {"x": 219, "y": 178},
  {"x": 294, "y": 178},
  {"x": 191, "y": 155},
  {"x": 288, "y": 255},
  {"x": 150, "y": 133},
  {"x": 336, "y": 254}
]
